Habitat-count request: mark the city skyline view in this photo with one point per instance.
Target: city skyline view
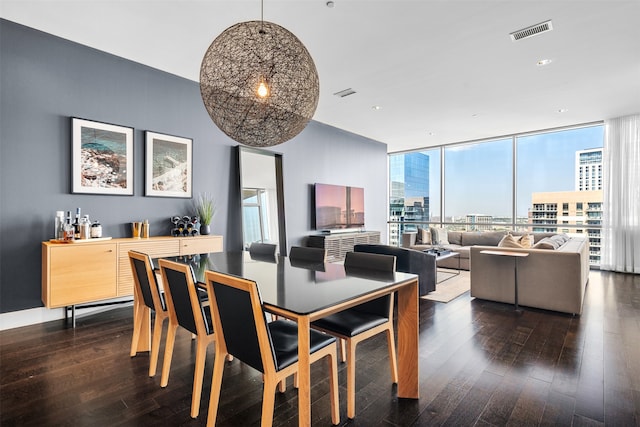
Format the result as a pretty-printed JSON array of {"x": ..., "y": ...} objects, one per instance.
[{"x": 479, "y": 176}]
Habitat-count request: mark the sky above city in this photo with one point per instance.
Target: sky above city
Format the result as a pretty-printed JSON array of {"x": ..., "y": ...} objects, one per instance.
[{"x": 478, "y": 177}]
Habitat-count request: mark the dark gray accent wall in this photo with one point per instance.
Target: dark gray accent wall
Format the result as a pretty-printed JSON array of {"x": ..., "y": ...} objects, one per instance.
[{"x": 46, "y": 80}]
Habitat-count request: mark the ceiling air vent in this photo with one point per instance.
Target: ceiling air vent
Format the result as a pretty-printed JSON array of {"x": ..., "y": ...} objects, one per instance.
[
  {"x": 531, "y": 31},
  {"x": 345, "y": 92}
]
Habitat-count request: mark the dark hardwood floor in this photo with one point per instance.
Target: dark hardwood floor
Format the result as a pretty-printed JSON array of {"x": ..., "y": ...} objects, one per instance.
[{"x": 480, "y": 364}]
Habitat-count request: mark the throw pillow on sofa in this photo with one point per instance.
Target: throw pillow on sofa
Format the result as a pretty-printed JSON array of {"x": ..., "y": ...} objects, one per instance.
[
  {"x": 508, "y": 241},
  {"x": 439, "y": 236},
  {"x": 546, "y": 243},
  {"x": 526, "y": 241},
  {"x": 424, "y": 236}
]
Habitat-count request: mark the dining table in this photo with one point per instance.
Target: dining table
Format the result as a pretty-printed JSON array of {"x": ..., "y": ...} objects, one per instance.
[{"x": 304, "y": 292}]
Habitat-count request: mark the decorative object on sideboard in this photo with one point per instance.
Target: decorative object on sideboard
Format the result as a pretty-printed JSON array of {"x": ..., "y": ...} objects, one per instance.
[
  {"x": 205, "y": 207},
  {"x": 259, "y": 83},
  {"x": 185, "y": 226},
  {"x": 66, "y": 230},
  {"x": 136, "y": 229}
]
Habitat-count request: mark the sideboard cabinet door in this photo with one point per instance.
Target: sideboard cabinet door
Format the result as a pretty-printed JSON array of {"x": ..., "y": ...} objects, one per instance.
[{"x": 80, "y": 273}]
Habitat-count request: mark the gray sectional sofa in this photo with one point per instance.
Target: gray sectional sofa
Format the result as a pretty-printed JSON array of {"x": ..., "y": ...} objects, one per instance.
[
  {"x": 554, "y": 278},
  {"x": 461, "y": 242}
]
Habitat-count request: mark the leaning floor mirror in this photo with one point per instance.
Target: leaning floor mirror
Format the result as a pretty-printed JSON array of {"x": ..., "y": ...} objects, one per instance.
[{"x": 262, "y": 198}]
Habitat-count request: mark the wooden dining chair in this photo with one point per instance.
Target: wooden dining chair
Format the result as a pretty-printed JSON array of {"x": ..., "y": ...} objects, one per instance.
[
  {"x": 186, "y": 309},
  {"x": 148, "y": 296},
  {"x": 271, "y": 348},
  {"x": 363, "y": 321},
  {"x": 308, "y": 254}
]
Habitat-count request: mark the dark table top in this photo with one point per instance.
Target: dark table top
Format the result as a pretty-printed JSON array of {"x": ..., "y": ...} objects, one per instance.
[{"x": 301, "y": 288}]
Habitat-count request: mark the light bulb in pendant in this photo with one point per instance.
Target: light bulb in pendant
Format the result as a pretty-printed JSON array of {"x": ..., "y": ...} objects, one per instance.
[{"x": 263, "y": 90}]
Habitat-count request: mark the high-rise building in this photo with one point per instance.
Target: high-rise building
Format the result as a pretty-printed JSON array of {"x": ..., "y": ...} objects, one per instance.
[
  {"x": 588, "y": 171},
  {"x": 409, "y": 190},
  {"x": 581, "y": 209}
]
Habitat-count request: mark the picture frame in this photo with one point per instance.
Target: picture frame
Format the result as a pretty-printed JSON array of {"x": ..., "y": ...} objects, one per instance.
[
  {"x": 102, "y": 158},
  {"x": 168, "y": 165}
]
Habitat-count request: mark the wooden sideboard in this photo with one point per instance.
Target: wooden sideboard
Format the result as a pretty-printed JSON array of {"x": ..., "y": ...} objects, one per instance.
[
  {"x": 337, "y": 245},
  {"x": 92, "y": 271}
]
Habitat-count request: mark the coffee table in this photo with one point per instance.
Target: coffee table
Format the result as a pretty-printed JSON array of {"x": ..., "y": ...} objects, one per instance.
[{"x": 441, "y": 256}]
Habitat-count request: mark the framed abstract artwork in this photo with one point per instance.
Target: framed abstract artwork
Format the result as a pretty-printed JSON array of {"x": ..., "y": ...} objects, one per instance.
[
  {"x": 168, "y": 165},
  {"x": 102, "y": 158}
]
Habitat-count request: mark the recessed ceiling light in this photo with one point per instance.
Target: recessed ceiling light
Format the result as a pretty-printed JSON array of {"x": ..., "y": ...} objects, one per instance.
[
  {"x": 543, "y": 62},
  {"x": 562, "y": 110},
  {"x": 431, "y": 133},
  {"x": 376, "y": 107},
  {"x": 330, "y": 4}
]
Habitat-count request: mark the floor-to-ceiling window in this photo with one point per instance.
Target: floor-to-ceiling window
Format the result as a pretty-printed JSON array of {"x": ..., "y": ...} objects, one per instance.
[
  {"x": 559, "y": 176},
  {"x": 478, "y": 185},
  {"x": 538, "y": 181},
  {"x": 414, "y": 186}
]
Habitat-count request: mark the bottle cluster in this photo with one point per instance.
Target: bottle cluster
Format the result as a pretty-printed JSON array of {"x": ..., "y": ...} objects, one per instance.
[
  {"x": 184, "y": 226},
  {"x": 78, "y": 227}
]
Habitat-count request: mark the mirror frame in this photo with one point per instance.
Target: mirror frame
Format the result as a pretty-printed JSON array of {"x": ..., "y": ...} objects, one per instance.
[{"x": 277, "y": 158}]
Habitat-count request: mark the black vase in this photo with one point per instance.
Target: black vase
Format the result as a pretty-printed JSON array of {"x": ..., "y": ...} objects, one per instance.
[{"x": 205, "y": 229}]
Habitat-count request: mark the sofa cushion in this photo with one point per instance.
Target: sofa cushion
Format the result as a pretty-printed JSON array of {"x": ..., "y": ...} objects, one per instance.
[
  {"x": 424, "y": 236},
  {"x": 454, "y": 237},
  {"x": 546, "y": 243},
  {"x": 439, "y": 236},
  {"x": 482, "y": 238},
  {"x": 560, "y": 239},
  {"x": 508, "y": 241},
  {"x": 539, "y": 236}
]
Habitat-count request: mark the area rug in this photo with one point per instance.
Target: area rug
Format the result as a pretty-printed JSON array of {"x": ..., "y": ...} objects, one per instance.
[{"x": 450, "y": 289}]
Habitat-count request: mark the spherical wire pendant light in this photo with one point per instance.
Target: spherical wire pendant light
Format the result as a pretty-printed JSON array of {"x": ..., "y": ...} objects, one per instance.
[{"x": 259, "y": 83}]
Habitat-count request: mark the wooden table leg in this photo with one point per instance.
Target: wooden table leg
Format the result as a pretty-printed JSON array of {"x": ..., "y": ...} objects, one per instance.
[
  {"x": 408, "y": 331},
  {"x": 304, "y": 373}
]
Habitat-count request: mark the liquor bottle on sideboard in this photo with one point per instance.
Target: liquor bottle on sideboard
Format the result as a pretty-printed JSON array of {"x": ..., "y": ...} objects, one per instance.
[
  {"x": 59, "y": 226},
  {"x": 76, "y": 224},
  {"x": 69, "y": 231}
]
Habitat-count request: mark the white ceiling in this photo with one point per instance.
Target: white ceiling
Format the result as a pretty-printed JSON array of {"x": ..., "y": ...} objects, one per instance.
[{"x": 441, "y": 71}]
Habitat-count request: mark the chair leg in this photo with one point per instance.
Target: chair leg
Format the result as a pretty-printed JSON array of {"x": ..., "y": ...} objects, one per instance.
[
  {"x": 343, "y": 350},
  {"x": 333, "y": 387},
  {"x": 216, "y": 385},
  {"x": 393, "y": 359},
  {"x": 168, "y": 353},
  {"x": 198, "y": 373},
  {"x": 155, "y": 344},
  {"x": 351, "y": 379},
  {"x": 138, "y": 313},
  {"x": 268, "y": 401},
  {"x": 282, "y": 385}
]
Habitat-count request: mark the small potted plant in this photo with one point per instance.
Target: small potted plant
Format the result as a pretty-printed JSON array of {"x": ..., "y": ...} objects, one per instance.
[{"x": 205, "y": 207}]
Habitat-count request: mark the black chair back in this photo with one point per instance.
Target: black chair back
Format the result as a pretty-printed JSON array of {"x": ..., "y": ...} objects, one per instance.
[
  {"x": 178, "y": 283},
  {"x": 241, "y": 322},
  {"x": 264, "y": 249},
  {"x": 141, "y": 270},
  {"x": 308, "y": 254},
  {"x": 363, "y": 261}
]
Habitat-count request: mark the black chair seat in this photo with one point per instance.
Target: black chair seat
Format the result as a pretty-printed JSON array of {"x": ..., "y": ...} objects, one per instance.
[
  {"x": 284, "y": 335},
  {"x": 349, "y": 322}
]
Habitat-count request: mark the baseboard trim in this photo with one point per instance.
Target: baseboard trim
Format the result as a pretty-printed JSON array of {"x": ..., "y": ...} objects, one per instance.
[{"x": 33, "y": 316}]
